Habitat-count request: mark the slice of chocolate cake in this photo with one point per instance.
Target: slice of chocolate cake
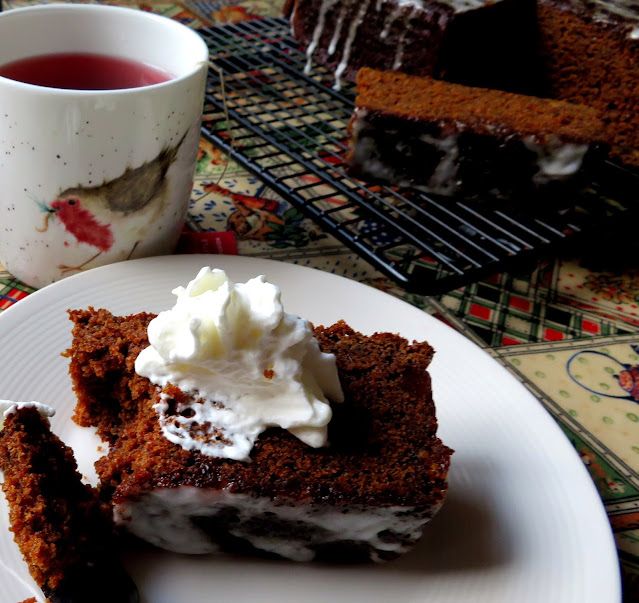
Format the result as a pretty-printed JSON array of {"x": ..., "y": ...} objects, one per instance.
[
  {"x": 451, "y": 139},
  {"x": 366, "y": 495},
  {"x": 64, "y": 533}
]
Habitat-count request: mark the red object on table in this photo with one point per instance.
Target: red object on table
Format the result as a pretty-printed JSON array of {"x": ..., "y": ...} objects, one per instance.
[{"x": 207, "y": 242}]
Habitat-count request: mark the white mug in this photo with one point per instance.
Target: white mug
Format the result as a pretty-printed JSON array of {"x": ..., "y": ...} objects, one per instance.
[{"x": 90, "y": 177}]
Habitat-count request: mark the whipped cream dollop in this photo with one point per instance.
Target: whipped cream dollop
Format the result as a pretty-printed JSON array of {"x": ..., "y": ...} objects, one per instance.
[{"x": 246, "y": 364}]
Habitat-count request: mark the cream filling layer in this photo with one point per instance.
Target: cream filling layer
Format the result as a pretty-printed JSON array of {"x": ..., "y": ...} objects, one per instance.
[
  {"x": 163, "y": 517},
  {"x": 555, "y": 159}
]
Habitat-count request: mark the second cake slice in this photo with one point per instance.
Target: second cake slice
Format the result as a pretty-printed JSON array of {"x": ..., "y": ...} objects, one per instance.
[{"x": 450, "y": 139}]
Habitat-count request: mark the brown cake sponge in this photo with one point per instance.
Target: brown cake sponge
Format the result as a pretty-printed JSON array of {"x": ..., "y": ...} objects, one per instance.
[
  {"x": 383, "y": 446},
  {"x": 62, "y": 530},
  {"x": 482, "y": 109}
]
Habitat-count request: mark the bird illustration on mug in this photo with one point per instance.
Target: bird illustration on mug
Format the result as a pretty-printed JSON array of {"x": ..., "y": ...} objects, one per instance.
[{"x": 89, "y": 214}]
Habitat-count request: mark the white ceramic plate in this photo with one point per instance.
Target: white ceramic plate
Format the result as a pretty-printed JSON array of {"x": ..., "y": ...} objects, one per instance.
[{"x": 522, "y": 522}]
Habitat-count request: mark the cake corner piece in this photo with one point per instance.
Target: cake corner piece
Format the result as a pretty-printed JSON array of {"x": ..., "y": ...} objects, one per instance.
[{"x": 63, "y": 531}]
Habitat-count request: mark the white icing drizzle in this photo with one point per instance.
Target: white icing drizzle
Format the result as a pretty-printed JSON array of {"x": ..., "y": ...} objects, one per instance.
[
  {"x": 293, "y": 18},
  {"x": 399, "y": 51},
  {"x": 627, "y": 9},
  {"x": 610, "y": 11},
  {"x": 390, "y": 21},
  {"x": 348, "y": 44},
  {"x": 338, "y": 30},
  {"x": 459, "y": 6},
  {"x": 317, "y": 33},
  {"x": 556, "y": 160},
  {"x": 8, "y": 407},
  {"x": 163, "y": 517}
]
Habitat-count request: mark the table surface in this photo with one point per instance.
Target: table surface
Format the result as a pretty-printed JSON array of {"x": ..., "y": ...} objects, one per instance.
[{"x": 566, "y": 327}]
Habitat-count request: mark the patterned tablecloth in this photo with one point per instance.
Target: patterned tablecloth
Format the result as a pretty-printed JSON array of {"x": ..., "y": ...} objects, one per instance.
[{"x": 567, "y": 328}]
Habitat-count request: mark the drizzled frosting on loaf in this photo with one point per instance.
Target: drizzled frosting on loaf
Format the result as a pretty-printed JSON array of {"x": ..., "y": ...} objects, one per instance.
[
  {"x": 458, "y": 6},
  {"x": 352, "y": 13}
]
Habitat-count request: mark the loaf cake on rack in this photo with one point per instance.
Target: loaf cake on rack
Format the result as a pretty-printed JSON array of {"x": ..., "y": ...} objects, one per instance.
[{"x": 574, "y": 50}]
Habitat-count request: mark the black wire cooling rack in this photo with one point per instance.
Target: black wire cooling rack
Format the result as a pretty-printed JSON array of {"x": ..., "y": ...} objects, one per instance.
[{"x": 289, "y": 129}]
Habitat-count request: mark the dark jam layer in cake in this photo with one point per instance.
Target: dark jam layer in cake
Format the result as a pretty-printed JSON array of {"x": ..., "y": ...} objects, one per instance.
[{"x": 382, "y": 477}]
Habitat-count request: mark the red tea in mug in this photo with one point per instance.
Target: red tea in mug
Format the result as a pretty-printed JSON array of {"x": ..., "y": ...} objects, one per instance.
[{"x": 83, "y": 71}]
